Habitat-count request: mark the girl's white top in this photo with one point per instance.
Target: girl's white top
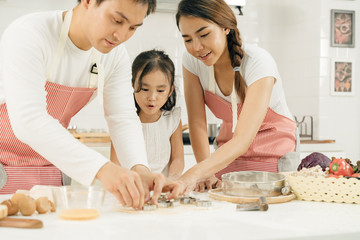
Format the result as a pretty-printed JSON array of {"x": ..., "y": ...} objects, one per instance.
[
  {"x": 27, "y": 50},
  {"x": 256, "y": 64},
  {"x": 157, "y": 140}
]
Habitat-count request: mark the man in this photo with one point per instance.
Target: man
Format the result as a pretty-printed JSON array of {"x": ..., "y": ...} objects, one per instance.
[{"x": 52, "y": 64}]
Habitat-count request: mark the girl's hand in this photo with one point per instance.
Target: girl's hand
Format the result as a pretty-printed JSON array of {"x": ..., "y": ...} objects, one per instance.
[
  {"x": 207, "y": 184},
  {"x": 157, "y": 183}
]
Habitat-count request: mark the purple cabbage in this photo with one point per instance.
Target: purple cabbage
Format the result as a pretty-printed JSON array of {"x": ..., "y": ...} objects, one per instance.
[{"x": 314, "y": 159}]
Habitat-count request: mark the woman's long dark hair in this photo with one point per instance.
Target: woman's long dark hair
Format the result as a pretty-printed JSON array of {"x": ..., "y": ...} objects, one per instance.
[
  {"x": 218, "y": 12},
  {"x": 150, "y": 61}
]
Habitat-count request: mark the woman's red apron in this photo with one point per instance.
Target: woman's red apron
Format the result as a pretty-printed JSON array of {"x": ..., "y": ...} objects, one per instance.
[
  {"x": 23, "y": 166},
  {"x": 275, "y": 138}
]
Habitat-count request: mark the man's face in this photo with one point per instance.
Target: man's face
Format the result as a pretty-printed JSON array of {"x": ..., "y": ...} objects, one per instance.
[{"x": 112, "y": 22}]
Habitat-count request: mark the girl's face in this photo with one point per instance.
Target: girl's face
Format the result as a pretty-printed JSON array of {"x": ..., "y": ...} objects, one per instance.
[
  {"x": 112, "y": 22},
  {"x": 154, "y": 92},
  {"x": 203, "y": 39}
]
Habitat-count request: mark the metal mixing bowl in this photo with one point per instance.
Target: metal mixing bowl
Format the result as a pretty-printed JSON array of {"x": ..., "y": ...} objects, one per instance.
[{"x": 253, "y": 183}]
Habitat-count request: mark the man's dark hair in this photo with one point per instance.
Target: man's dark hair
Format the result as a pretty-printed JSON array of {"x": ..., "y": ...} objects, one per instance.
[{"x": 151, "y": 4}]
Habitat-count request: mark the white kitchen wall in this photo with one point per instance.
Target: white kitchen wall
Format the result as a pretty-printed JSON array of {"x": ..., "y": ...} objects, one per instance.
[
  {"x": 339, "y": 115},
  {"x": 296, "y": 33}
]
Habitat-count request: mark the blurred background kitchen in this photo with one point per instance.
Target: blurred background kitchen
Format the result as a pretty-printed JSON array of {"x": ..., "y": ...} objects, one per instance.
[{"x": 296, "y": 33}]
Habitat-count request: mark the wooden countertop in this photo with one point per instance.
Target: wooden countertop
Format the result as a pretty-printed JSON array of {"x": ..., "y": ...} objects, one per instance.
[
  {"x": 317, "y": 141},
  {"x": 92, "y": 137}
]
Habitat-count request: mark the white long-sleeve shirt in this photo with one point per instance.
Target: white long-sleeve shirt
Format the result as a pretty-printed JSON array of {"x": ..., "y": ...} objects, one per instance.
[{"x": 27, "y": 50}]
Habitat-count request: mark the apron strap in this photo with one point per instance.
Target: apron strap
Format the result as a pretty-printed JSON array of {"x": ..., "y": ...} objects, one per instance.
[
  {"x": 94, "y": 70},
  {"x": 234, "y": 108},
  {"x": 212, "y": 86},
  {"x": 234, "y": 102},
  {"x": 61, "y": 44},
  {"x": 97, "y": 74},
  {"x": 100, "y": 78},
  {"x": 212, "y": 80}
]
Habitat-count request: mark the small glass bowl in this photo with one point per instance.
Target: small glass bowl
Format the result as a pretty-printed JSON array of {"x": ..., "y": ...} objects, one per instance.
[{"x": 78, "y": 202}]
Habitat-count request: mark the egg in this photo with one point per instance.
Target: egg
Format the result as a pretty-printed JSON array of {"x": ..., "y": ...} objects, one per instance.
[
  {"x": 27, "y": 206},
  {"x": 43, "y": 205}
]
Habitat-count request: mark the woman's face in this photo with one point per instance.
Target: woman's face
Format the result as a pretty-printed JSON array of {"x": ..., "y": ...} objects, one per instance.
[
  {"x": 203, "y": 39},
  {"x": 112, "y": 22},
  {"x": 153, "y": 94}
]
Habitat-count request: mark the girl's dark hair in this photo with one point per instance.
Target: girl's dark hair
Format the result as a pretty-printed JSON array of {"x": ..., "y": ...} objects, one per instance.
[
  {"x": 151, "y": 4},
  {"x": 218, "y": 12},
  {"x": 150, "y": 61}
]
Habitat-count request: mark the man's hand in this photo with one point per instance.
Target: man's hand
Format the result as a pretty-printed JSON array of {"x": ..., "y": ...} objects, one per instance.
[
  {"x": 124, "y": 184},
  {"x": 158, "y": 183}
]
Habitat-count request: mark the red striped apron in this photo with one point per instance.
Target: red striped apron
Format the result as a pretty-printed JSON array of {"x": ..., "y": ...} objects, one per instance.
[
  {"x": 275, "y": 138},
  {"x": 24, "y": 167}
]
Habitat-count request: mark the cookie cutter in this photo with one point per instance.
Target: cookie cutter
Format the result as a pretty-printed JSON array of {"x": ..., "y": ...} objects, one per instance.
[
  {"x": 260, "y": 205},
  {"x": 185, "y": 200},
  {"x": 162, "y": 198},
  {"x": 165, "y": 204},
  {"x": 149, "y": 207},
  {"x": 203, "y": 203},
  {"x": 193, "y": 200},
  {"x": 175, "y": 202}
]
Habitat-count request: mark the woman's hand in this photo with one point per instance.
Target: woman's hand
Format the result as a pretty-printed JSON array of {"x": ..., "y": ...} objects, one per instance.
[
  {"x": 207, "y": 184},
  {"x": 188, "y": 182}
]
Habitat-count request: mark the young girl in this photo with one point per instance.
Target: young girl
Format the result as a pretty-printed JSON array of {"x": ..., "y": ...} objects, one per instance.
[
  {"x": 155, "y": 97},
  {"x": 241, "y": 85}
]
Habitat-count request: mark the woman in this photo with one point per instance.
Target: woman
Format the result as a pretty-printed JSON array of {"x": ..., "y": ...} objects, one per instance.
[{"x": 241, "y": 85}]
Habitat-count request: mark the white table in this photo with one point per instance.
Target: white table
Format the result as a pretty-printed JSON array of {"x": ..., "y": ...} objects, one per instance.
[{"x": 292, "y": 220}]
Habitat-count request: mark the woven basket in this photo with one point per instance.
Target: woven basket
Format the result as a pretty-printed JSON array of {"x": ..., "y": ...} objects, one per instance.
[{"x": 320, "y": 189}]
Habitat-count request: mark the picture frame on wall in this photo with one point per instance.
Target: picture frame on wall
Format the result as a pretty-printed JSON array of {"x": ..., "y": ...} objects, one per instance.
[
  {"x": 342, "y": 28},
  {"x": 342, "y": 77}
]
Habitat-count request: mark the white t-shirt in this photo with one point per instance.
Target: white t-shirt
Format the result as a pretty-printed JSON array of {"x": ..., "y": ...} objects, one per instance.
[
  {"x": 27, "y": 50},
  {"x": 157, "y": 139},
  {"x": 256, "y": 64}
]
